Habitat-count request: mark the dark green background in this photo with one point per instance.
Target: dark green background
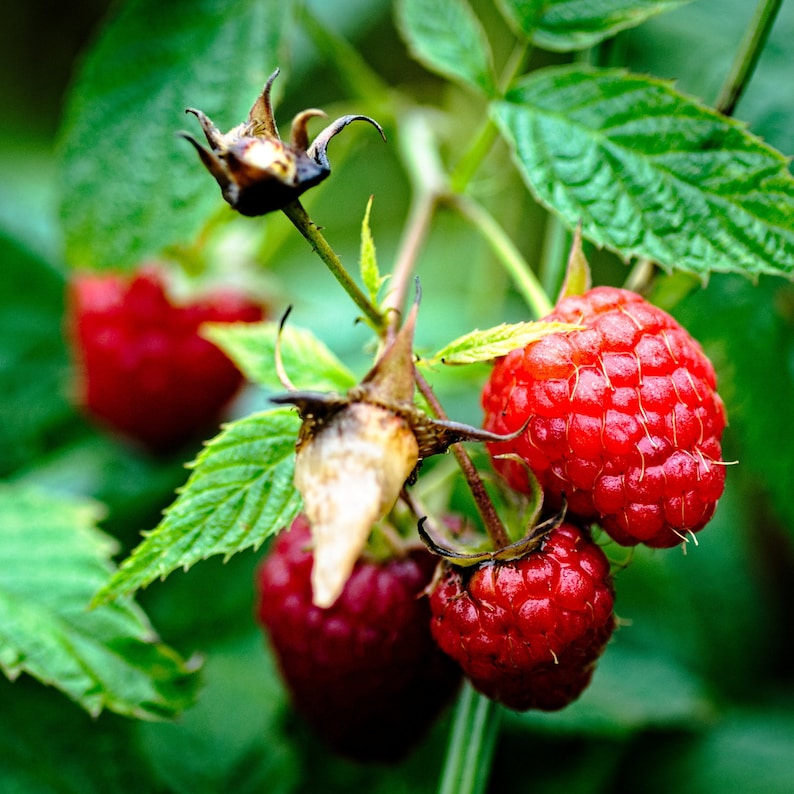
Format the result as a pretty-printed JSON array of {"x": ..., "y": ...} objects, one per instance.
[{"x": 696, "y": 693}]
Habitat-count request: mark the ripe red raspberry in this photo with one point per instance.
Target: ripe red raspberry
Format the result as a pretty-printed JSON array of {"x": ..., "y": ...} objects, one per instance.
[
  {"x": 623, "y": 419},
  {"x": 528, "y": 633},
  {"x": 143, "y": 368},
  {"x": 365, "y": 672}
]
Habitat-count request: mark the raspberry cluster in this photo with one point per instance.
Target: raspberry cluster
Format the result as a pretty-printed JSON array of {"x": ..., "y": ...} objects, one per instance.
[
  {"x": 622, "y": 419},
  {"x": 144, "y": 370},
  {"x": 618, "y": 421}
]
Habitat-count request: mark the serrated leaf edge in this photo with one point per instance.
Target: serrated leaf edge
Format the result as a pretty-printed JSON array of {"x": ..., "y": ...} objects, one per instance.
[{"x": 500, "y": 337}]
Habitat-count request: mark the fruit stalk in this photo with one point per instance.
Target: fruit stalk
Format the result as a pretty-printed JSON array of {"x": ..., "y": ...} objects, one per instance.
[
  {"x": 485, "y": 508},
  {"x": 472, "y": 741},
  {"x": 304, "y": 224}
]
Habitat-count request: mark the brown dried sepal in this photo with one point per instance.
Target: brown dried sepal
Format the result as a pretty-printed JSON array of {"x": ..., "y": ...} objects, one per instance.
[
  {"x": 457, "y": 554},
  {"x": 257, "y": 171}
]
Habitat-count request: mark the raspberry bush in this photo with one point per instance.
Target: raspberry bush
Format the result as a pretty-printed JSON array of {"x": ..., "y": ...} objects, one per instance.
[{"x": 565, "y": 316}]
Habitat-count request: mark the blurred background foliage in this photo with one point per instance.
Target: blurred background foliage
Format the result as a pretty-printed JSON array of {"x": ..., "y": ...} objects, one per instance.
[{"x": 696, "y": 692}]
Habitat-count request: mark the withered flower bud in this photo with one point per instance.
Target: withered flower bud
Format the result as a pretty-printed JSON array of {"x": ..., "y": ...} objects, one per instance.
[
  {"x": 354, "y": 454},
  {"x": 257, "y": 171},
  {"x": 350, "y": 473}
]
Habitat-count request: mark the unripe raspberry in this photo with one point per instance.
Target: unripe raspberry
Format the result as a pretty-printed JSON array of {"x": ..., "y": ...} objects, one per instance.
[
  {"x": 623, "y": 419},
  {"x": 143, "y": 368},
  {"x": 365, "y": 672},
  {"x": 528, "y": 633}
]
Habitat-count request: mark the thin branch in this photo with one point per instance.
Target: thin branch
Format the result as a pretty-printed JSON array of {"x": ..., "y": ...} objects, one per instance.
[
  {"x": 304, "y": 224},
  {"x": 482, "y": 500},
  {"x": 747, "y": 57},
  {"x": 506, "y": 251},
  {"x": 419, "y": 152},
  {"x": 416, "y": 230}
]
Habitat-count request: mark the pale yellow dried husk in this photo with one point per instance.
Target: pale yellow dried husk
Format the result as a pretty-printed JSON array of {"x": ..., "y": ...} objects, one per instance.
[{"x": 350, "y": 475}]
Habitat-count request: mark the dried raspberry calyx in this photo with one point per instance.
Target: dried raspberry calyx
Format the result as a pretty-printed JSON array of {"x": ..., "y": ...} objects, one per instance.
[
  {"x": 355, "y": 453},
  {"x": 257, "y": 171},
  {"x": 466, "y": 555}
]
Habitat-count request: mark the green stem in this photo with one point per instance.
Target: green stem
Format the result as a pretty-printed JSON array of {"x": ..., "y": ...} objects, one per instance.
[
  {"x": 484, "y": 139},
  {"x": 421, "y": 214},
  {"x": 471, "y": 745},
  {"x": 747, "y": 57},
  {"x": 554, "y": 254},
  {"x": 508, "y": 254},
  {"x": 304, "y": 224},
  {"x": 482, "y": 500},
  {"x": 468, "y": 164}
]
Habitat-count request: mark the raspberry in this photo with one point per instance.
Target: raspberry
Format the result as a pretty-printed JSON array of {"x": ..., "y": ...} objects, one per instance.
[
  {"x": 144, "y": 370},
  {"x": 623, "y": 419},
  {"x": 365, "y": 672},
  {"x": 528, "y": 633}
]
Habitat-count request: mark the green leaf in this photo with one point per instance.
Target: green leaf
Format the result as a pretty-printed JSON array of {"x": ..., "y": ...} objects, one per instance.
[
  {"x": 83, "y": 754},
  {"x": 495, "y": 342},
  {"x": 632, "y": 690},
  {"x": 33, "y": 360},
  {"x": 650, "y": 172},
  {"x": 309, "y": 364},
  {"x": 448, "y": 39},
  {"x": 565, "y": 25},
  {"x": 130, "y": 186},
  {"x": 54, "y": 559},
  {"x": 239, "y": 494},
  {"x": 370, "y": 274},
  {"x": 750, "y": 749},
  {"x": 748, "y": 330}
]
